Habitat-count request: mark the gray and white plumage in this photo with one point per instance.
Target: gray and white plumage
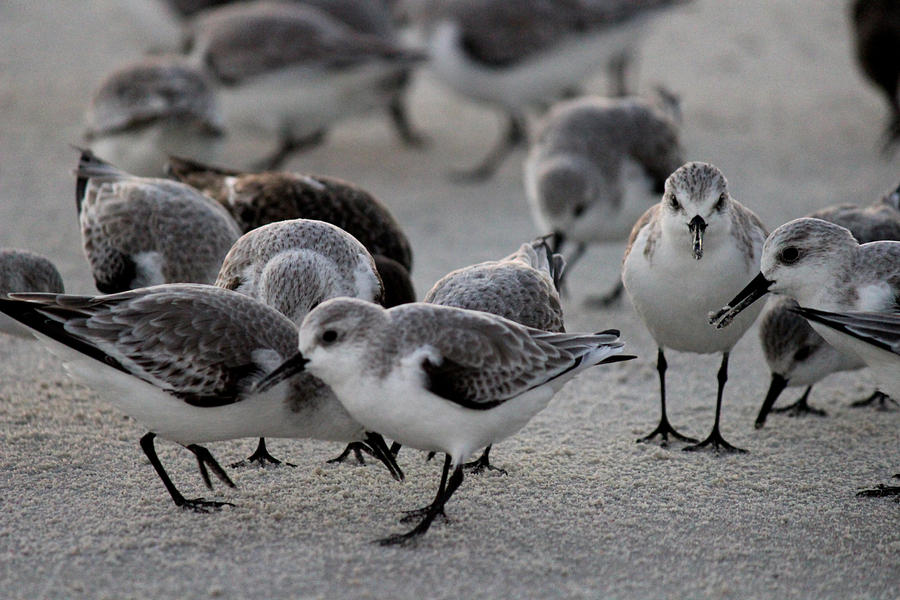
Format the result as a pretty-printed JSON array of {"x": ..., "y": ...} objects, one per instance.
[
  {"x": 596, "y": 165},
  {"x": 686, "y": 254},
  {"x": 823, "y": 267},
  {"x": 24, "y": 271},
  {"x": 440, "y": 378},
  {"x": 184, "y": 360},
  {"x": 147, "y": 109},
  {"x": 295, "y": 265},
  {"x": 256, "y": 199},
  {"x": 523, "y": 287},
  {"x": 795, "y": 353},
  {"x": 520, "y": 287},
  {"x": 291, "y": 70},
  {"x": 526, "y": 53},
  {"x": 139, "y": 231},
  {"x": 874, "y": 337}
]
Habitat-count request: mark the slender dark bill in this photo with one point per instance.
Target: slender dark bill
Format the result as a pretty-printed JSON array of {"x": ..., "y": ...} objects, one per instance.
[
  {"x": 754, "y": 290},
  {"x": 697, "y": 226},
  {"x": 288, "y": 368}
]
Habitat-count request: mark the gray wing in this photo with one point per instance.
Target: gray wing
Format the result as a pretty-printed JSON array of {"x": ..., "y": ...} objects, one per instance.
[
  {"x": 867, "y": 224},
  {"x": 244, "y": 40},
  {"x": 479, "y": 360},
  {"x": 205, "y": 345},
  {"x": 879, "y": 329},
  {"x": 500, "y": 32},
  {"x": 124, "y": 218},
  {"x": 508, "y": 289}
]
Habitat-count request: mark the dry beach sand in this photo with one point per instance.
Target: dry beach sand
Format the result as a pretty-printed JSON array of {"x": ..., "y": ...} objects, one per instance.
[{"x": 771, "y": 96}]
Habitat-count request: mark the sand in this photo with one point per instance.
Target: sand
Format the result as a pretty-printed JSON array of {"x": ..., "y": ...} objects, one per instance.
[{"x": 771, "y": 96}]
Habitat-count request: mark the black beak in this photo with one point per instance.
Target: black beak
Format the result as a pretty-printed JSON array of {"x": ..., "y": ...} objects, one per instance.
[
  {"x": 751, "y": 293},
  {"x": 291, "y": 366},
  {"x": 775, "y": 388},
  {"x": 383, "y": 453},
  {"x": 697, "y": 226}
]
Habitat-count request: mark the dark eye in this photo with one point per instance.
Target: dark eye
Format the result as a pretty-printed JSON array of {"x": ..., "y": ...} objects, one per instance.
[
  {"x": 720, "y": 203},
  {"x": 803, "y": 353},
  {"x": 329, "y": 336},
  {"x": 673, "y": 202},
  {"x": 789, "y": 255}
]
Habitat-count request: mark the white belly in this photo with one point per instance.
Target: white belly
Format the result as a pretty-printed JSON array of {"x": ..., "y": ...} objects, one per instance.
[{"x": 674, "y": 294}]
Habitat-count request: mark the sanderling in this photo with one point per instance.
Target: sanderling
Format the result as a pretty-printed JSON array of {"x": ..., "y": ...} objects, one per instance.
[
  {"x": 256, "y": 199},
  {"x": 183, "y": 360},
  {"x": 876, "y": 26},
  {"x": 439, "y": 378},
  {"x": 796, "y": 354},
  {"x": 596, "y": 165},
  {"x": 146, "y": 110},
  {"x": 140, "y": 231},
  {"x": 526, "y": 53},
  {"x": 290, "y": 70},
  {"x": 823, "y": 267},
  {"x": 293, "y": 266},
  {"x": 687, "y": 253},
  {"x": 521, "y": 287},
  {"x": 24, "y": 271}
]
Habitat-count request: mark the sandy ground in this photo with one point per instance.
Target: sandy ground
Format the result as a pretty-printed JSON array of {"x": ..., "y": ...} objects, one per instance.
[{"x": 771, "y": 96}]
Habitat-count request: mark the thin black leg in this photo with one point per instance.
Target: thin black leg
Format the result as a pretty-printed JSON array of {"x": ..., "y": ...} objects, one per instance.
[
  {"x": 483, "y": 464},
  {"x": 261, "y": 458},
  {"x": 801, "y": 407},
  {"x": 445, "y": 490},
  {"x": 664, "y": 429},
  {"x": 204, "y": 458},
  {"x": 617, "y": 69},
  {"x": 197, "y": 504},
  {"x": 715, "y": 439},
  {"x": 580, "y": 249},
  {"x": 513, "y": 138},
  {"x": 354, "y": 448},
  {"x": 409, "y": 135}
]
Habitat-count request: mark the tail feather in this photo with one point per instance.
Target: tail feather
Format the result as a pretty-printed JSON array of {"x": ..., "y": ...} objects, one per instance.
[{"x": 92, "y": 167}]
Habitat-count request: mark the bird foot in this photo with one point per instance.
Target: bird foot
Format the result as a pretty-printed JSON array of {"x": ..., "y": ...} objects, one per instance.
[
  {"x": 880, "y": 400},
  {"x": 481, "y": 465},
  {"x": 419, "y": 513},
  {"x": 881, "y": 491},
  {"x": 664, "y": 430},
  {"x": 800, "y": 408},
  {"x": 716, "y": 443},
  {"x": 262, "y": 460},
  {"x": 200, "y": 505},
  {"x": 356, "y": 449}
]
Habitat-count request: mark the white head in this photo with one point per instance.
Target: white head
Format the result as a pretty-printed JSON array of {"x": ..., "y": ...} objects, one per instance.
[
  {"x": 695, "y": 207},
  {"x": 805, "y": 259},
  {"x": 340, "y": 335},
  {"x": 805, "y": 256},
  {"x": 562, "y": 188}
]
